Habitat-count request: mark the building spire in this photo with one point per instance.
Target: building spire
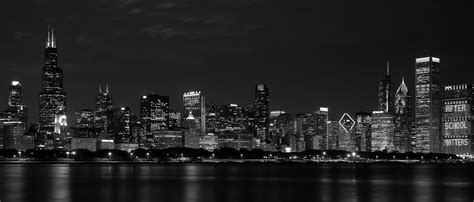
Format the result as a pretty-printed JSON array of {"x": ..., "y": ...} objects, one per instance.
[
  {"x": 107, "y": 88},
  {"x": 53, "y": 39},
  {"x": 100, "y": 89},
  {"x": 388, "y": 68},
  {"x": 47, "y": 39},
  {"x": 50, "y": 40}
]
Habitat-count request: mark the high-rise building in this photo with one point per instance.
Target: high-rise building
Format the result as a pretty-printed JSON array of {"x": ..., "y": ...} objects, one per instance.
[
  {"x": 333, "y": 135},
  {"x": 103, "y": 108},
  {"x": 457, "y": 122},
  {"x": 363, "y": 134},
  {"x": 84, "y": 125},
  {"x": 403, "y": 119},
  {"x": 12, "y": 132},
  {"x": 15, "y": 111},
  {"x": 195, "y": 102},
  {"x": 15, "y": 95},
  {"x": 382, "y": 131},
  {"x": 261, "y": 111},
  {"x": 385, "y": 92},
  {"x": 427, "y": 104},
  {"x": 52, "y": 101},
  {"x": 346, "y": 133},
  {"x": 175, "y": 119},
  {"x": 321, "y": 117},
  {"x": 191, "y": 132},
  {"x": 154, "y": 112},
  {"x": 230, "y": 117}
]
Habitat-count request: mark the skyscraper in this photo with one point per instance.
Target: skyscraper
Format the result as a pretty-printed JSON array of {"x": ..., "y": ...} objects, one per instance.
[
  {"x": 321, "y": 117},
  {"x": 385, "y": 92},
  {"x": 15, "y": 94},
  {"x": 262, "y": 111},
  {"x": 103, "y": 108},
  {"x": 402, "y": 118},
  {"x": 346, "y": 136},
  {"x": 52, "y": 98},
  {"x": 457, "y": 122},
  {"x": 154, "y": 112},
  {"x": 427, "y": 104},
  {"x": 363, "y": 131},
  {"x": 15, "y": 111},
  {"x": 195, "y": 103},
  {"x": 382, "y": 129}
]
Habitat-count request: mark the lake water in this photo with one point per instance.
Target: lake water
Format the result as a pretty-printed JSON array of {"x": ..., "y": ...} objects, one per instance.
[{"x": 236, "y": 182}]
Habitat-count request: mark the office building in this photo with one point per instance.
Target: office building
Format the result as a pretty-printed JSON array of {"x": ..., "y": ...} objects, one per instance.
[
  {"x": 363, "y": 131},
  {"x": 385, "y": 92},
  {"x": 195, "y": 102},
  {"x": 52, "y": 100},
  {"x": 383, "y": 128},
  {"x": 457, "y": 122},
  {"x": 402, "y": 140},
  {"x": 262, "y": 111},
  {"x": 427, "y": 104},
  {"x": 154, "y": 112}
]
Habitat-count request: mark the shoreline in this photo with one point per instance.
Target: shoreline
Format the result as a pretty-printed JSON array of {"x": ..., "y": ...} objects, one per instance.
[{"x": 233, "y": 161}]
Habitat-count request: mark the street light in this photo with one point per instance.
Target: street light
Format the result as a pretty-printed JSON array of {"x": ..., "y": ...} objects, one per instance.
[
  {"x": 19, "y": 154},
  {"x": 110, "y": 155},
  {"x": 67, "y": 154}
]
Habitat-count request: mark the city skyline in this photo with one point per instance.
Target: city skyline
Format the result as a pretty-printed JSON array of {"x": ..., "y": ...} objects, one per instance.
[{"x": 316, "y": 58}]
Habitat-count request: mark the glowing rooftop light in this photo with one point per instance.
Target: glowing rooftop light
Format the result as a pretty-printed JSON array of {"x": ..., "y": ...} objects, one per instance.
[{"x": 15, "y": 83}]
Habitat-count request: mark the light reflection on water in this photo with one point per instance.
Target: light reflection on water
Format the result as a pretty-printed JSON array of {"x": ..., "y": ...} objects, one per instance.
[{"x": 235, "y": 182}]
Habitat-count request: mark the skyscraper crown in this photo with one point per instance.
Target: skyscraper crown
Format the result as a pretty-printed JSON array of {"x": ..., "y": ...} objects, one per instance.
[
  {"x": 51, "y": 39},
  {"x": 402, "y": 88}
]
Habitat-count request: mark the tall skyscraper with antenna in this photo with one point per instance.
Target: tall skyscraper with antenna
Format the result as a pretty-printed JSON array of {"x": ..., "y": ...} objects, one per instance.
[
  {"x": 103, "y": 107},
  {"x": 385, "y": 92},
  {"x": 52, "y": 100}
]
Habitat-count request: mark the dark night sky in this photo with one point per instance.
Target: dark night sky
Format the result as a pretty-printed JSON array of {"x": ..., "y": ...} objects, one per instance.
[{"x": 310, "y": 53}]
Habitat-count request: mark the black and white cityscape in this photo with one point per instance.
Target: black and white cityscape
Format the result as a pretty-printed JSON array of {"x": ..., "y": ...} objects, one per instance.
[
  {"x": 439, "y": 121},
  {"x": 186, "y": 101}
]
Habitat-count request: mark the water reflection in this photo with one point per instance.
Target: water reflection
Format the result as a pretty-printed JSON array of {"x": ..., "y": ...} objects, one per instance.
[{"x": 235, "y": 182}]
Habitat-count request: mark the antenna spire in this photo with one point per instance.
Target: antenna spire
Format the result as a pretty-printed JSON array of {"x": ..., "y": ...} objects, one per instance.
[
  {"x": 107, "y": 88},
  {"x": 47, "y": 39},
  {"x": 53, "y": 39},
  {"x": 388, "y": 68},
  {"x": 100, "y": 89}
]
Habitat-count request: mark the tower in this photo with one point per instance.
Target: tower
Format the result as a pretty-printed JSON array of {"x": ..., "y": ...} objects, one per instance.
[
  {"x": 403, "y": 120},
  {"x": 385, "y": 94},
  {"x": 262, "y": 111},
  {"x": 154, "y": 112},
  {"x": 195, "y": 102},
  {"x": 103, "y": 108},
  {"x": 427, "y": 104},
  {"x": 52, "y": 98}
]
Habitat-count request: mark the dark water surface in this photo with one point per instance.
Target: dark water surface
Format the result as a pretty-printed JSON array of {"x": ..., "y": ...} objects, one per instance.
[{"x": 236, "y": 182}]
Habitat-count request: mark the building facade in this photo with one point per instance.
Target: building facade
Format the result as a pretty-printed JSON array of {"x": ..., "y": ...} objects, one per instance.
[
  {"x": 154, "y": 112},
  {"x": 363, "y": 131},
  {"x": 52, "y": 99},
  {"x": 402, "y": 140},
  {"x": 383, "y": 128},
  {"x": 262, "y": 111},
  {"x": 427, "y": 105},
  {"x": 195, "y": 102},
  {"x": 457, "y": 122}
]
